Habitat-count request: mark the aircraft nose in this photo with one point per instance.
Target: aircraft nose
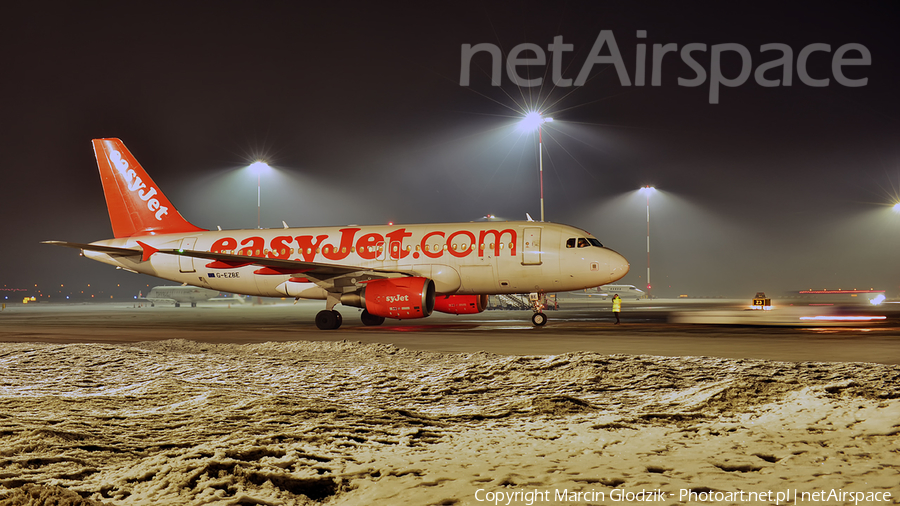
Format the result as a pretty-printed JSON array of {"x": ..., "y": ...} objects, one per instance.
[{"x": 618, "y": 266}]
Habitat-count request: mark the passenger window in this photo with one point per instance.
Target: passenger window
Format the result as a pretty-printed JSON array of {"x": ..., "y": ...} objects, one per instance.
[{"x": 570, "y": 243}]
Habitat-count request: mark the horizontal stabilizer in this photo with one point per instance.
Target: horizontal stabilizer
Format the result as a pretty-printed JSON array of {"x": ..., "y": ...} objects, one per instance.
[{"x": 112, "y": 250}]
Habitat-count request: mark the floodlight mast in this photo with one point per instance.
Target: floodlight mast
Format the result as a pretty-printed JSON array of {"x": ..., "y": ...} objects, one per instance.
[
  {"x": 531, "y": 121},
  {"x": 647, "y": 190},
  {"x": 258, "y": 166}
]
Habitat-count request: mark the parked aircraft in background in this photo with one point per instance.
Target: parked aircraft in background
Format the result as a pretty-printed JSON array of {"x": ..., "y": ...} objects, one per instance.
[
  {"x": 178, "y": 295},
  {"x": 396, "y": 271},
  {"x": 623, "y": 291}
]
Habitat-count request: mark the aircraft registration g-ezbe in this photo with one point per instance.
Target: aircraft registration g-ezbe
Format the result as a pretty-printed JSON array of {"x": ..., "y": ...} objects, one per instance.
[{"x": 396, "y": 271}]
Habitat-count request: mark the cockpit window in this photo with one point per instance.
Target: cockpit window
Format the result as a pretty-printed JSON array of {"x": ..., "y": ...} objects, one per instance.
[
  {"x": 595, "y": 242},
  {"x": 570, "y": 243},
  {"x": 583, "y": 243}
]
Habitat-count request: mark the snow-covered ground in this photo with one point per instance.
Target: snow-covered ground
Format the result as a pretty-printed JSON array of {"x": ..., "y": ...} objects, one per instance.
[{"x": 182, "y": 422}]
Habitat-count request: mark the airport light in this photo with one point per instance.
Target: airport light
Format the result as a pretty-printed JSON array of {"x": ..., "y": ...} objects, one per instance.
[
  {"x": 258, "y": 167},
  {"x": 534, "y": 121},
  {"x": 897, "y": 207},
  {"x": 647, "y": 190}
]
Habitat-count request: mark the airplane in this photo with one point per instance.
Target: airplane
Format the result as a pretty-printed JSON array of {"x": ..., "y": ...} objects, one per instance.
[
  {"x": 178, "y": 294},
  {"x": 622, "y": 290},
  {"x": 390, "y": 271}
]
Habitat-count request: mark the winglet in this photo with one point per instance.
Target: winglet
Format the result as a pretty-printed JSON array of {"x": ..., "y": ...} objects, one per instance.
[{"x": 148, "y": 251}]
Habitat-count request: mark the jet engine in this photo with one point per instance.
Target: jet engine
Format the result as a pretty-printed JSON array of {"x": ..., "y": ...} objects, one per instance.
[
  {"x": 400, "y": 298},
  {"x": 460, "y": 304}
]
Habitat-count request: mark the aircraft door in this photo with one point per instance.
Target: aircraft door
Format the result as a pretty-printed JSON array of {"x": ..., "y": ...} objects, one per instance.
[
  {"x": 531, "y": 247},
  {"x": 186, "y": 263},
  {"x": 395, "y": 250}
]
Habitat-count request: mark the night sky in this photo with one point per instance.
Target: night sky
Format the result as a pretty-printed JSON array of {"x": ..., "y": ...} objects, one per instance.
[{"x": 359, "y": 107}]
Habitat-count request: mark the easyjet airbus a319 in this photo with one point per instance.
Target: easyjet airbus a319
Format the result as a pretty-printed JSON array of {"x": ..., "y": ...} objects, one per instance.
[{"x": 397, "y": 271}]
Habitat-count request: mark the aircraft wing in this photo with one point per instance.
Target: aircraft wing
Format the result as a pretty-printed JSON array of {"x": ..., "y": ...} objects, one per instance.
[{"x": 279, "y": 266}]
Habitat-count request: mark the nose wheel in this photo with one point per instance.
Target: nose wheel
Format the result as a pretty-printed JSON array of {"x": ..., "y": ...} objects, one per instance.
[
  {"x": 328, "y": 319},
  {"x": 538, "y": 304}
]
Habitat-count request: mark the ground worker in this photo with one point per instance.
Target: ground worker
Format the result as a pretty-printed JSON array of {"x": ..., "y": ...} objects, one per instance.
[{"x": 617, "y": 306}]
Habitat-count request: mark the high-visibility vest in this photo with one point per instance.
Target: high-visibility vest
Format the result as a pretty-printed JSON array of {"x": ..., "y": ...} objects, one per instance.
[{"x": 617, "y": 305}]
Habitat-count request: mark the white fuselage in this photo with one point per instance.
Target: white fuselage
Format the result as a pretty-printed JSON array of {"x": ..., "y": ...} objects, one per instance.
[{"x": 461, "y": 258}]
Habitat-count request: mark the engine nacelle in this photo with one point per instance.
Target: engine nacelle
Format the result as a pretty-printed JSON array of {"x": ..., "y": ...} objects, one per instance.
[
  {"x": 400, "y": 298},
  {"x": 461, "y": 304}
]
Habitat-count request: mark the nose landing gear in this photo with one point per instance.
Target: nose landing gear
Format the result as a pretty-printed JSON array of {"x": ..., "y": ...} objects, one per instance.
[{"x": 537, "y": 301}]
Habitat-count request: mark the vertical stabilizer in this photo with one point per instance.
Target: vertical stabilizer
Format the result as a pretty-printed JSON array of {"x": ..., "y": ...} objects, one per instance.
[{"x": 135, "y": 203}]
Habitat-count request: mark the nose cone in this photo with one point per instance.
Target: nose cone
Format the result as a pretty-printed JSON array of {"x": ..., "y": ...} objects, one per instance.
[{"x": 618, "y": 266}]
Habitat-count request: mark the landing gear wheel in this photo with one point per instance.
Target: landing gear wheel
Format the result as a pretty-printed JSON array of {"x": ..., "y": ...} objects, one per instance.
[
  {"x": 328, "y": 319},
  {"x": 193, "y": 304},
  {"x": 177, "y": 305},
  {"x": 370, "y": 319},
  {"x": 539, "y": 319}
]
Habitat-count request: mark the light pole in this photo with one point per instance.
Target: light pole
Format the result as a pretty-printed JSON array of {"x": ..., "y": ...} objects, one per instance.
[
  {"x": 647, "y": 190},
  {"x": 258, "y": 167},
  {"x": 534, "y": 120}
]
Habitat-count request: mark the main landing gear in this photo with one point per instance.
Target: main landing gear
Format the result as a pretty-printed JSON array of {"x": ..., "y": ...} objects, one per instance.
[
  {"x": 370, "y": 319},
  {"x": 537, "y": 301},
  {"x": 328, "y": 319}
]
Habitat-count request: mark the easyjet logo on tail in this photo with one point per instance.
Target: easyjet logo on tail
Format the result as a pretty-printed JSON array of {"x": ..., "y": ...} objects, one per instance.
[{"x": 135, "y": 184}]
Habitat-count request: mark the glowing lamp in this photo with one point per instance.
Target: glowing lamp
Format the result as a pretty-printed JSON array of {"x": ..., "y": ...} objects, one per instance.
[
  {"x": 259, "y": 166},
  {"x": 532, "y": 121}
]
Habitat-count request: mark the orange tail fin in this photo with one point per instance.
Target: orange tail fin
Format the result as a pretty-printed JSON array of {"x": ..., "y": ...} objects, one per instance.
[{"x": 136, "y": 204}]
